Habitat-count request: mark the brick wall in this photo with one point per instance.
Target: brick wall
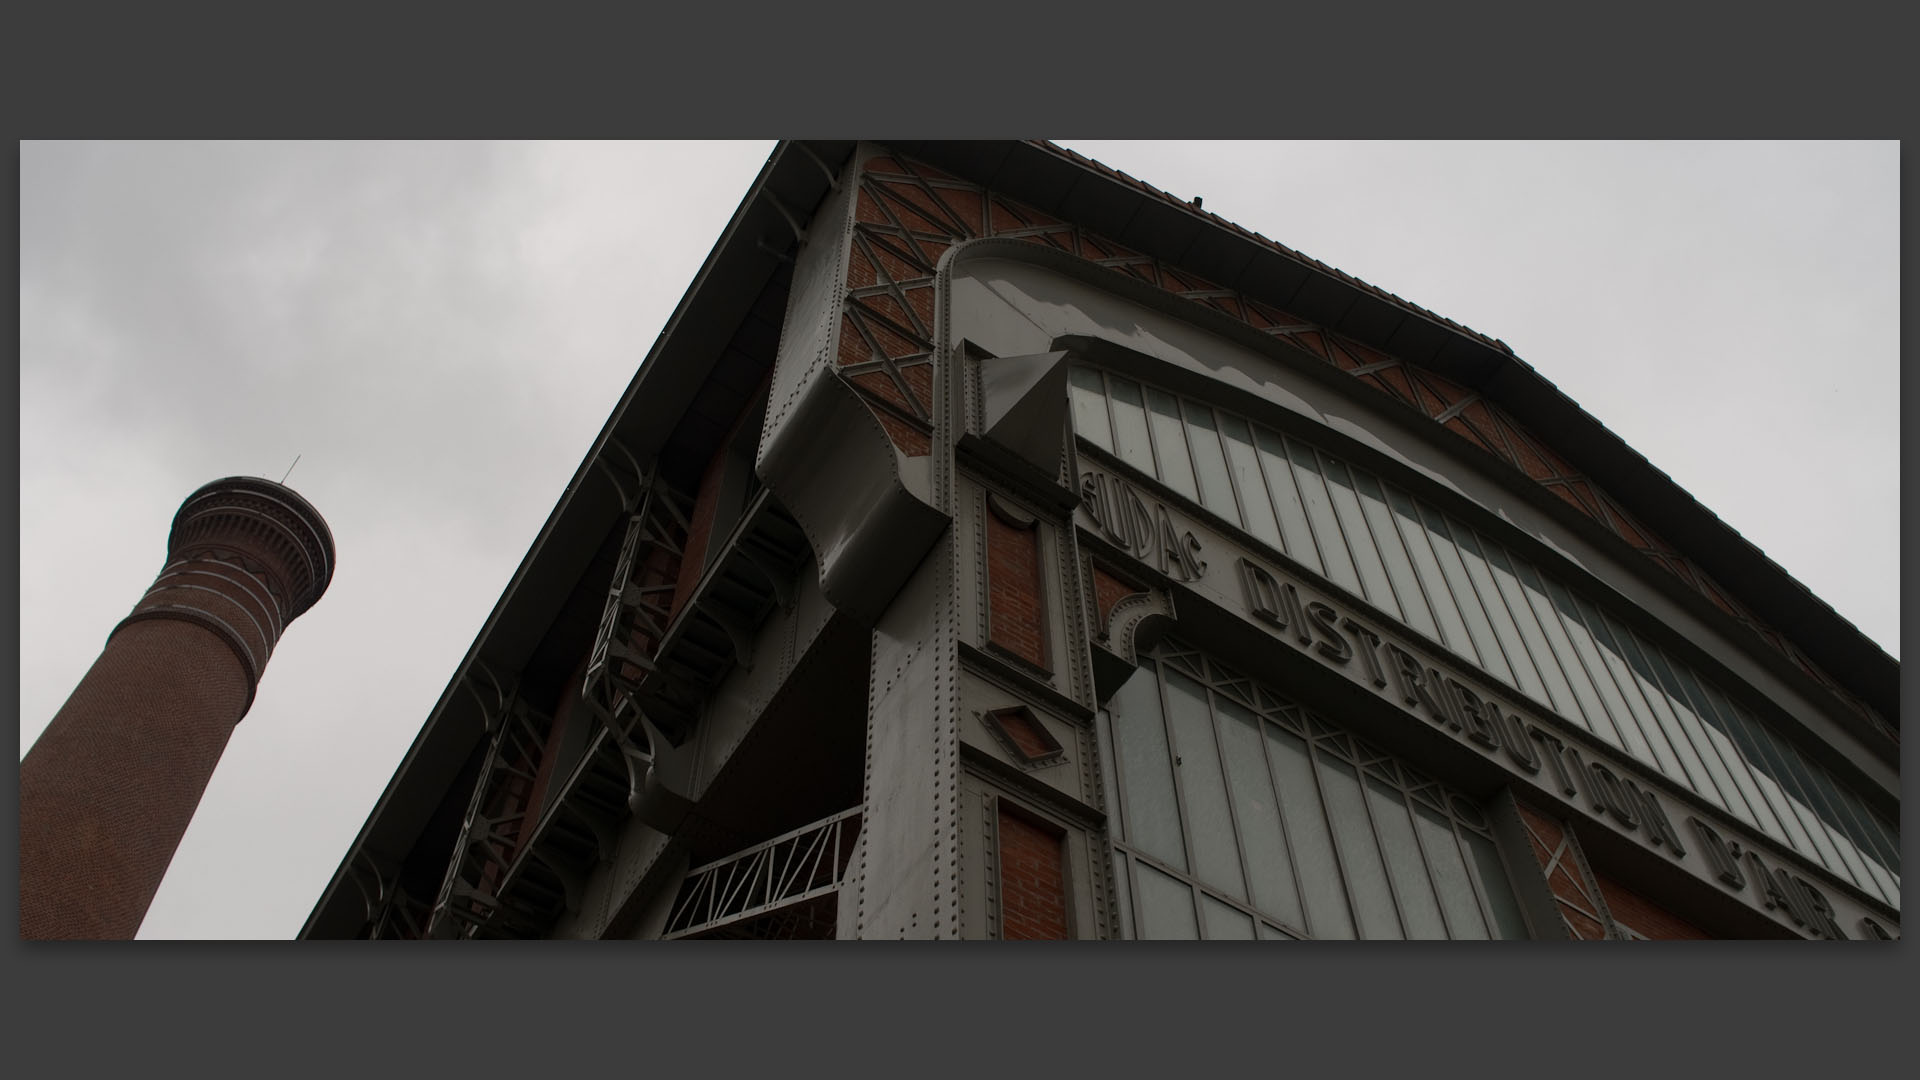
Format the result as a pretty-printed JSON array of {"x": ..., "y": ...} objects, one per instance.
[
  {"x": 1644, "y": 917},
  {"x": 1574, "y": 883},
  {"x": 107, "y": 791},
  {"x": 1033, "y": 881},
  {"x": 1016, "y": 606},
  {"x": 1108, "y": 590}
]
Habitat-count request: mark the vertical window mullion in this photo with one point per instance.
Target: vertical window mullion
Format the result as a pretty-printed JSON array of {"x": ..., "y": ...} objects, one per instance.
[
  {"x": 1318, "y": 504},
  {"x": 1453, "y": 567},
  {"x": 1723, "y": 793},
  {"x": 1690, "y": 766},
  {"x": 1560, "y": 696},
  {"x": 1089, "y": 393},
  {"x": 1505, "y": 630},
  {"x": 1375, "y": 584},
  {"x": 1612, "y": 656},
  {"x": 1446, "y": 612},
  {"x": 1207, "y": 694},
  {"x": 1766, "y": 739},
  {"x": 1203, "y": 439},
  {"x": 1333, "y": 834},
  {"x": 1261, "y": 519},
  {"x": 1289, "y": 506},
  {"x": 1613, "y": 707},
  {"x": 1593, "y": 711},
  {"x": 1286, "y": 829},
  {"x": 1170, "y": 447},
  {"x": 1737, "y": 769},
  {"x": 1401, "y": 571}
]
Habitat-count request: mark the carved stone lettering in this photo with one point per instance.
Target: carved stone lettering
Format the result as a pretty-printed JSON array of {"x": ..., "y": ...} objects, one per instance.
[
  {"x": 1296, "y": 615},
  {"x": 1512, "y": 732},
  {"x": 1333, "y": 644},
  {"x": 1262, "y": 594},
  {"x": 1660, "y": 830},
  {"x": 1472, "y": 711},
  {"x": 1613, "y": 798},
  {"x": 1553, "y": 748},
  {"x": 1369, "y": 656},
  {"x": 1721, "y": 856}
]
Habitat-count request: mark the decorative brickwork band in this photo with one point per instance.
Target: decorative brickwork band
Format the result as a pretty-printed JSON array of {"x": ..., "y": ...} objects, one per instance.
[{"x": 108, "y": 789}]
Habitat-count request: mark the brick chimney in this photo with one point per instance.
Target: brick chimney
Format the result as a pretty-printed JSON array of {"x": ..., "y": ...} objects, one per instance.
[{"x": 109, "y": 787}]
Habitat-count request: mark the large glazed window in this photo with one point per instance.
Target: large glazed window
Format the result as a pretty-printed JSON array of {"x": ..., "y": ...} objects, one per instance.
[
  {"x": 1481, "y": 600},
  {"x": 1240, "y": 815}
]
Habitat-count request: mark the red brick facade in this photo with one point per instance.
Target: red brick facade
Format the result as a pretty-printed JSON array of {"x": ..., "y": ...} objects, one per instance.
[
  {"x": 1108, "y": 590},
  {"x": 1016, "y": 607},
  {"x": 1033, "y": 882},
  {"x": 1574, "y": 883},
  {"x": 109, "y": 788}
]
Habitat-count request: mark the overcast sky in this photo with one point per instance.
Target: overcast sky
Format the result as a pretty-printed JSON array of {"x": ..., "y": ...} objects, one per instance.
[{"x": 438, "y": 331}]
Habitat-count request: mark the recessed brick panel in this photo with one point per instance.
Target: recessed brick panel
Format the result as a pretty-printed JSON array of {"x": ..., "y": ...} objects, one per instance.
[
  {"x": 1108, "y": 590},
  {"x": 1645, "y": 917},
  {"x": 1016, "y": 613},
  {"x": 1033, "y": 881}
]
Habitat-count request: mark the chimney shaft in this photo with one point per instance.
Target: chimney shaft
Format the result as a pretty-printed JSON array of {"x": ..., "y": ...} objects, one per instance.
[{"x": 108, "y": 789}]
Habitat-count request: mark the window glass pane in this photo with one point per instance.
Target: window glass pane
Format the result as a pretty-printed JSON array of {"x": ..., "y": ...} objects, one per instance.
[
  {"x": 1744, "y": 793},
  {"x": 1130, "y": 437},
  {"x": 1225, "y": 922},
  {"x": 1318, "y": 869},
  {"x": 1592, "y": 714},
  {"x": 1247, "y": 479},
  {"x": 1203, "y": 790},
  {"x": 1760, "y": 767},
  {"x": 1823, "y": 799},
  {"x": 1654, "y": 742},
  {"x": 1767, "y": 759},
  {"x": 1146, "y": 770},
  {"x": 1386, "y": 539},
  {"x": 1619, "y": 728},
  {"x": 1216, "y": 490},
  {"x": 1504, "y": 628},
  {"x": 1366, "y": 876},
  {"x": 1856, "y": 831},
  {"x": 1872, "y": 841},
  {"x": 1691, "y": 770},
  {"x": 1418, "y": 907},
  {"x": 1257, "y": 808},
  {"x": 1453, "y": 629},
  {"x": 1170, "y": 440},
  {"x": 1166, "y": 906},
  {"x": 1123, "y": 895},
  {"x": 1449, "y": 873},
  {"x": 1326, "y": 527},
  {"x": 1723, "y": 793},
  {"x": 1455, "y": 571},
  {"x": 1493, "y": 884},
  {"x": 1089, "y": 407},
  {"x": 1560, "y": 695},
  {"x": 1286, "y": 500},
  {"x": 1360, "y": 544},
  {"x": 1274, "y": 933}
]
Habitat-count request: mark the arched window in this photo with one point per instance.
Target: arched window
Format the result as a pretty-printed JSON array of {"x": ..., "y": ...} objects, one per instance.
[{"x": 1480, "y": 599}]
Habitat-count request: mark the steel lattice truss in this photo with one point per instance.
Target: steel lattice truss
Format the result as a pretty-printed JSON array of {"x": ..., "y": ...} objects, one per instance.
[
  {"x": 495, "y": 822},
  {"x": 803, "y": 865}
]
